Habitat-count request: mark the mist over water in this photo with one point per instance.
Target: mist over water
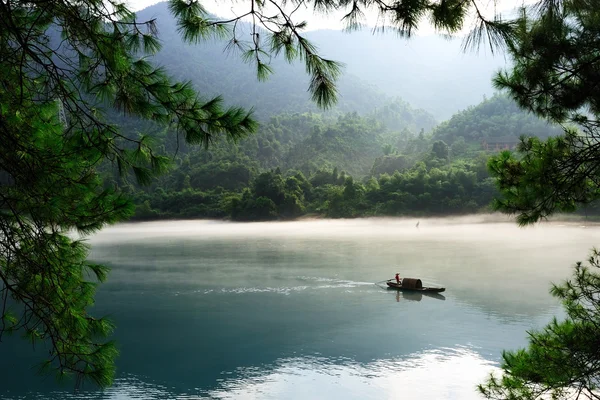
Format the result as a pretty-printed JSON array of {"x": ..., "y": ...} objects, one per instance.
[{"x": 289, "y": 310}]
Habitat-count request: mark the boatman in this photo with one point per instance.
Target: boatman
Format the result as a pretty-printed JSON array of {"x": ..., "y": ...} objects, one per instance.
[{"x": 398, "y": 278}]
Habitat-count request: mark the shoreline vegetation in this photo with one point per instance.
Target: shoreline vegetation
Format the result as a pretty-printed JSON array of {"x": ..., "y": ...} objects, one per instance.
[
  {"x": 475, "y": 218},
  {"x": 431, "y": 188}
]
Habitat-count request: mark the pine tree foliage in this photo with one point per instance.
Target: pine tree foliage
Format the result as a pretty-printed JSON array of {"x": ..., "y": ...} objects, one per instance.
[
  {"x": 53, "y": 98},
  {"x": 556, "y": 76},
  {"x": 562, "y": 360},
  {"x": 49, "y": 187}
]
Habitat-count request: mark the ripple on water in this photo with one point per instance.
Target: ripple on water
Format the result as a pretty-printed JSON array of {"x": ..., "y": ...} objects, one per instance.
[{"x": 445, "y": 373}]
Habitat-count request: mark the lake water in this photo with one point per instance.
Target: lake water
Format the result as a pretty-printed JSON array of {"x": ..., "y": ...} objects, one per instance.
[{"x": 216, "y": 310}]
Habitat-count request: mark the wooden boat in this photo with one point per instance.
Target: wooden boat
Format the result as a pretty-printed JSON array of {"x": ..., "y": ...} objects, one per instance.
[
  {"x": 394, "y": 285},
  {"x": 413, "y": 285}
]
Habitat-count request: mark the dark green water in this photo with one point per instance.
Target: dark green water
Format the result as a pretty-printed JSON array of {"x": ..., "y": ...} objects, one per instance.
[{"x": 289, "y": 310}]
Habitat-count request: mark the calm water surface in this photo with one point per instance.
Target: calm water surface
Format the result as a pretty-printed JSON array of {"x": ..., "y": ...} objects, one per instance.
[{"x": 215, "y": 310}]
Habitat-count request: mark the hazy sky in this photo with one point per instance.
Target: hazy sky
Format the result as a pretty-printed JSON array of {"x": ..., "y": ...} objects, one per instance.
[{"x": 231, "y": 8}]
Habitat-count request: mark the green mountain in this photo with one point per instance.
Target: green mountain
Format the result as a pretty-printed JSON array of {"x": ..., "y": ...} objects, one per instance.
[
  {"x": 497, "y": 120},
  {"x": 307, "y": 142}
]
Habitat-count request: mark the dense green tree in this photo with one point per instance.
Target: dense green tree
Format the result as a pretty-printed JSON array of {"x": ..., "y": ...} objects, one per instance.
[
  {"x": 325, "y": 177},
  {"x": 390, "y": 164},
  {"x": 270, "y": 185},
  {"x": 388, "y": 149},
  {"x": 440, "y": 149},
  {"x": 459, "y": 147}
]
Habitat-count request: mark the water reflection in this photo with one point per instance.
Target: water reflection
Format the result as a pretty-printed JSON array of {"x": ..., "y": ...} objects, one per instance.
[
  {"x": 416, "y": 296},
  {"x": 410, "y": 296},
  {"x": 452, "y": 369},
  {"x": 435, "y": 296}
]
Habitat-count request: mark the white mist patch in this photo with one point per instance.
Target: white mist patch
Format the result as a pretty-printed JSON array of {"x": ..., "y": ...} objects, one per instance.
[{"x": 457, "y": 228}]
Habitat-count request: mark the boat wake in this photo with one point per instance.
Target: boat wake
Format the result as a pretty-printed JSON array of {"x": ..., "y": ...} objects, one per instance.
[
  {"x": 307, "y": 283},
  {"x": 333, "y": 281}
]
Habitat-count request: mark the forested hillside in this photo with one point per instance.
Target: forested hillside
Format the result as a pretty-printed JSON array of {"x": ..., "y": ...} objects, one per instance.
[
  {"x": 494, "y": 119},
  {"x": 388, "y": 162}
]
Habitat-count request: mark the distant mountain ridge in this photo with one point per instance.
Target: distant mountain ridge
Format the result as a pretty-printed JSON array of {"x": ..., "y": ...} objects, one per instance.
[
  {"x": 429, "y": 72},
  {"x": 216, "y": 72}
]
